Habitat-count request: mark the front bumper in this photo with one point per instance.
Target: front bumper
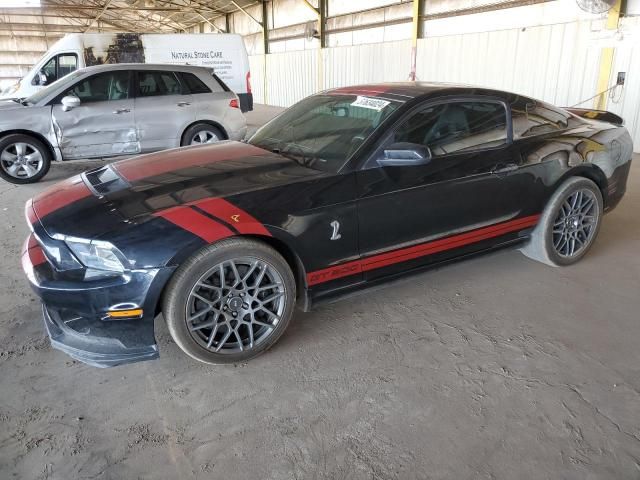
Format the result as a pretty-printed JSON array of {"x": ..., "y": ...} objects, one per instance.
[{"x": 75, "y": 312}]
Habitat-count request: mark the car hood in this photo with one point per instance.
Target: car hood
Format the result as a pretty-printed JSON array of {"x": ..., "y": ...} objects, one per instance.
[
  {"x": 130, "y": 191},
  {"x": 11, "y": 105}
]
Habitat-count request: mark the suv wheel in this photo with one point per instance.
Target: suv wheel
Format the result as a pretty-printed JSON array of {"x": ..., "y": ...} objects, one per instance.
[
  {"x": 23, "y": 159},
  {"x": 200, "y": 134}
]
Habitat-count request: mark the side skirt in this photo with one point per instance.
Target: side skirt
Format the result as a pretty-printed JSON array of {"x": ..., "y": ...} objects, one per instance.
[{"x": 309, "y": 301}]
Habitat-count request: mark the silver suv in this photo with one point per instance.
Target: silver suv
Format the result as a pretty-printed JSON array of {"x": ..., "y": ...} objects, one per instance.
[{"x": 114, "y": 110}]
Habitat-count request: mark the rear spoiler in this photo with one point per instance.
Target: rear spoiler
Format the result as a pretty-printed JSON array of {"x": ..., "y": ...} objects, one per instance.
[{"x": 599, "y": 115}]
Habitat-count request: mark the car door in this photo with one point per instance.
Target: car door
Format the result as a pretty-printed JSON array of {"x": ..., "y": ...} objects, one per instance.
[
  {"x": 465, "y": 198},
  {"x": 163, "y": 109},
  {"x": 103, "y": 124}
]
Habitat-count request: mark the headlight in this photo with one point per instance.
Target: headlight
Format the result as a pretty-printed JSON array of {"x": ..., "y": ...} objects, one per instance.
[{"x": 101, "y": 258}]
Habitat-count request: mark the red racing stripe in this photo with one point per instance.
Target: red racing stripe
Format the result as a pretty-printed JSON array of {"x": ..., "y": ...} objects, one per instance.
[
  {"x": 187, "y": 218},
  {"x": 229, "y": 213},
  {"x": 60, "y": 195},
  {"x": 33, "y": 251},
  {"x": 404, "y": 254},
  {"x": 30, "y": 213}
]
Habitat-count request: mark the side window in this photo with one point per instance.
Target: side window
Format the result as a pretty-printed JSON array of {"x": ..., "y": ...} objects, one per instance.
[
  {"x": 535, "y": 118},
  {"x": 102, "y": 87},
  {"x": 67, "y": 63},
  {"x": 49, "y": 70},
  {"x": 151, "y": 84},
  {"x": 194, "y": 84},
  {"x": 456, "y": 127}
]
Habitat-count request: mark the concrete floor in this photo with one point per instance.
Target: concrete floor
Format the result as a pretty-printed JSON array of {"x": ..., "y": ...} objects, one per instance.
[{"x": 496, "y": 367}]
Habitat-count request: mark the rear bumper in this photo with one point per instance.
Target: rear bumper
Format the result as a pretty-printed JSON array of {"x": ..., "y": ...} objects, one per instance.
[{"x": 75, "y": 312}]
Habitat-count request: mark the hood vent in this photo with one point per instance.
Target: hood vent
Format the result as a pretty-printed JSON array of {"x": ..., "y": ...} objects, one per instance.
[{"x": 104, "y": 180}]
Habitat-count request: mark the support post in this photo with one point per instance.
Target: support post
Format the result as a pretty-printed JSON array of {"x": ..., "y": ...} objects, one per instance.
[
  {"x": 322, "y": 22},
  {"x": 606, "y": 59},
  {"x": 265, "y": 28},
  {"x": 415, "y": 34}
]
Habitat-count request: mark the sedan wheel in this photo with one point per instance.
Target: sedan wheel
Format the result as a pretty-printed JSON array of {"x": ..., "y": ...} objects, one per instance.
[
  {"x": 576, "y": 223},
  {"x": 568, "y": 225},
  {"x": 204, "y": 136},
  {"x": 230, "y": 301},
  {"x": 236, "y": 305}
]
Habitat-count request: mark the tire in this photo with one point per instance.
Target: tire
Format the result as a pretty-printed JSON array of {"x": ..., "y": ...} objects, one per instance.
[
  {"x": 200, "y": 134},
  {"x": 551, "y": 239},
  {"x": 201, "y": 311},
  {"x": 23, "y": 159}
]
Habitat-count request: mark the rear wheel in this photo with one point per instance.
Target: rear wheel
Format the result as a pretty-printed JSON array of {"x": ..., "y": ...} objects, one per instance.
[
  {"x": 200, "y": 134},
  {"x": 569, "y": 224},
  {"x": 23, "y": 159},
  {"x": 230, "y": 302}
]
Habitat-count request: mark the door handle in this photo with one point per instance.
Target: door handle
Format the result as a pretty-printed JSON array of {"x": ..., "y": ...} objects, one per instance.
[
  {"x": 121, "y": 110},
  {"x": 504, "y": 168},
  {"x": 184, "y": 104}
]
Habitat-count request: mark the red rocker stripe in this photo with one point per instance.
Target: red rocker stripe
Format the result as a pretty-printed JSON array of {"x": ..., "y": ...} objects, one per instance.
[{"x": 404, "y": 254}]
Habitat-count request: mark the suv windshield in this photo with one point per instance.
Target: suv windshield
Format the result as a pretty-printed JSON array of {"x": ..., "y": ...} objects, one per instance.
[
  {"x": 49, "y": 89},
  {"x": 325, "y": 130}
]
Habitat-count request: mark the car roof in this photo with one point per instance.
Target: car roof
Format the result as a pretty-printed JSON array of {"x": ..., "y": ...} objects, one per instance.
[
  {"x": 145, "y": 66},
  {"x": 405, "y": 91}
]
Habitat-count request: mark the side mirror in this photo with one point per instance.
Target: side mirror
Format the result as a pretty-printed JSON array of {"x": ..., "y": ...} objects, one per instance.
[
  {"x": 69, "y": 102},
  {"x": 39, "y": 79},
  {"x": 404, "y": 154}
]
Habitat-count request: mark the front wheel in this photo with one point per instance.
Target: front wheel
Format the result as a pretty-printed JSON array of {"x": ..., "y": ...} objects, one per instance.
[
  {"x": 23, "y": 159},
  {"x": 230, "y": 301},
  {"x": 569, "y": 224}
]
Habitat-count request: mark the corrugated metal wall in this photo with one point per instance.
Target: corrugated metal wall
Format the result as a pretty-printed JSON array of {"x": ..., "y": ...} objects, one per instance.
[
  {"x": 626, "y": 102},
  {"x": 556, "y": 63}
]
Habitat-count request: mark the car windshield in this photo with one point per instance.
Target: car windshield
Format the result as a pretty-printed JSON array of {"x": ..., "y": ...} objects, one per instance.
[
  {"x": 49, "y": 89},
  {"x": 323, "y": 131}
]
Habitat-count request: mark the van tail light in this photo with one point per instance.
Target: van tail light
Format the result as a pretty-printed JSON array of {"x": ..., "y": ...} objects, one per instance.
[
  {"x": 249, "y": 82},
  {"x": 234, "y": 103}
]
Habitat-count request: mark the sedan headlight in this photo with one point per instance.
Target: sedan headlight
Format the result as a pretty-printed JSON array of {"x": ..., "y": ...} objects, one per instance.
[{"x": 101, "y": 258}]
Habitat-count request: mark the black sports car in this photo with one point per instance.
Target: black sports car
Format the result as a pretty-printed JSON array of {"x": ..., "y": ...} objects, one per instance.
[{"x": 346, "y": 188}]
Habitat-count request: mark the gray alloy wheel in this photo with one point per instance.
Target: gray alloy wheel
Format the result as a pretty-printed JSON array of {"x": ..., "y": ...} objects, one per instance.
[
  {"x": 204, "y": 136},
  {"x": 568, "y": 225},
  {"x": 576, "y": 222},
  {"x": 235, "y": 305},
  {"x": 230, "y": 301},
  {"x": 23, "y": 159}
]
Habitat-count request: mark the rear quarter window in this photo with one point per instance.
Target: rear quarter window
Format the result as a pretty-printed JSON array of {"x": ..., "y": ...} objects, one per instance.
[{"x": 193, "y": 84}]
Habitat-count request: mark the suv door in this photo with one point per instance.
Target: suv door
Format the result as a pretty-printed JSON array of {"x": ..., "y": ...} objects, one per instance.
[
  {"x": 467, "y": 196},
  {"x": 163, "y": 109},
  {"x": 103, "y": 124}
]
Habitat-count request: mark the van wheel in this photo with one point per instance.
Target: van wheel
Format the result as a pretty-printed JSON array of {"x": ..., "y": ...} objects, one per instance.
[
  {"x": 23, "y": 159},
  {"x": 201, "y": 133},
  {"x": 569, "y": 224}
]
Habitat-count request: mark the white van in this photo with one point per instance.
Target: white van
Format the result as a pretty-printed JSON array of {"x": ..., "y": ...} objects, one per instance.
[{"x": 225, "y": 53}]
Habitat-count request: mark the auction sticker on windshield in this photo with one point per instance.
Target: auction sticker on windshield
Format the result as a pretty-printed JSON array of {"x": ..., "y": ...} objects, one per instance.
[{"x": 371, "y": 103}]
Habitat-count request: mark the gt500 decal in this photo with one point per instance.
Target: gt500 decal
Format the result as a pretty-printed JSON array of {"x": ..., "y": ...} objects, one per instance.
[{"x": 333, "y": 273}]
